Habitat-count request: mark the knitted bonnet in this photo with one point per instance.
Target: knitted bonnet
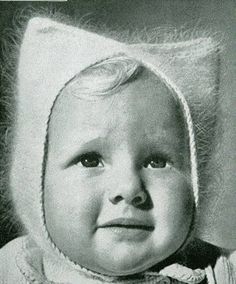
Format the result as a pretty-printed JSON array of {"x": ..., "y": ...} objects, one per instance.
[{"x": 51, "y": 54}]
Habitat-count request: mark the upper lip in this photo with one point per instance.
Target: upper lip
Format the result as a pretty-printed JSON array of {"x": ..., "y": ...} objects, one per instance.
[{"x": 132, "y": 223}]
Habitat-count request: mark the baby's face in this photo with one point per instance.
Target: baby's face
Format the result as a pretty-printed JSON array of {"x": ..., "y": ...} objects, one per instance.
[{"x": 117, "y": 189}]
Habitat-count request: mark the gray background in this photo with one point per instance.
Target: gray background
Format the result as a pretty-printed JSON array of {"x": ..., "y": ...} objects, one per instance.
[{"x": 216, "y": 15}]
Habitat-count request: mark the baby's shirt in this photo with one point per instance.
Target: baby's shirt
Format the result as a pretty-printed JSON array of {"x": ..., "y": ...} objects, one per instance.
[{"x": 22, "y": 262}]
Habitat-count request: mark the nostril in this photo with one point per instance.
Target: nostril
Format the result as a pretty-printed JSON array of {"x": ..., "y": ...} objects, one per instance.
[
  {"x": 139, "y": 199},
  {"x": 116, "y": 199}
]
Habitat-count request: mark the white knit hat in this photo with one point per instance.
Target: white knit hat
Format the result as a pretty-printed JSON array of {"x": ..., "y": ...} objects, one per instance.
[{"x": 51, "y": 54}]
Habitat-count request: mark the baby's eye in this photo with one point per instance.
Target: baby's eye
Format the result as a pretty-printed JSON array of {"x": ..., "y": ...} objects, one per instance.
[
  {"x": 90, "y": 160},
  {"x": 156, "y": 163}
]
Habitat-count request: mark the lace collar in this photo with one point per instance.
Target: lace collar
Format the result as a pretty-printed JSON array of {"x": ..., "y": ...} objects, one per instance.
[{"x": 34, "y": 265}]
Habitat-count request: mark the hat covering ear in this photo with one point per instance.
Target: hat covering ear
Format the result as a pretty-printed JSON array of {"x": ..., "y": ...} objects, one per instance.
[{"x": 53, "y": 53}]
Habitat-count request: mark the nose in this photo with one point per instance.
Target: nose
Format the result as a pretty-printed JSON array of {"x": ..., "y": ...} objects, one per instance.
[{"x": 128, "y": 188}]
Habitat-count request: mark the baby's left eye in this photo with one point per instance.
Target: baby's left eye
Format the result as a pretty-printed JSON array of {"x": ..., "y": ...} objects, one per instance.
[{"x": 155, "y": 163}]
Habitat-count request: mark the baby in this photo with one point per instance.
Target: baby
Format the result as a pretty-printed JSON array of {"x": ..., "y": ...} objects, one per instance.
[{"x": 106, "y": 166}]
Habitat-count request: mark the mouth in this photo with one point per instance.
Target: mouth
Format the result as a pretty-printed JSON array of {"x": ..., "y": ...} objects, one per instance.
[{"x": 128, "y": 223}]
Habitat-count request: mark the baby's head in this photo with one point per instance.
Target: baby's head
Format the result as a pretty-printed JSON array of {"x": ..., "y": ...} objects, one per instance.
[
  {"x": 118, "y": 196},
  {"x": 106, "y": 133}
]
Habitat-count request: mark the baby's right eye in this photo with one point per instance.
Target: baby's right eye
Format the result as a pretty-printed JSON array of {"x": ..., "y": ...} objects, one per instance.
[{"x": 90, "y": 160}]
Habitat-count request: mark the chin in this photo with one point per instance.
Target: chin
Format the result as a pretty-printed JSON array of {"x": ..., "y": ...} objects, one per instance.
[
  {"x": 125, "y": 271},
  {"x": 127, "y": 265}
]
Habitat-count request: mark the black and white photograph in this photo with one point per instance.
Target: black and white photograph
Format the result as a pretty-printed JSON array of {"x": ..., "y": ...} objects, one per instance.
[{"x": 118, "y": 142}]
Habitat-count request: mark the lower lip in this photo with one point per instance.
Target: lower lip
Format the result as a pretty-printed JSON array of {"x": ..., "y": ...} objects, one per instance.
[{"x": 128, "y": 233}]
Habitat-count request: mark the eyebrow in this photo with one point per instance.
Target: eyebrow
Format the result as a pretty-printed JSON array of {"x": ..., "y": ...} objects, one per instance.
[
  {"x": 172, "y": 147},
  {"x": 82, "y": 148},
  {"x": 155, "y": 139},
  {"x": 153, "y": 144},
  {"x": 163, "y": 146}
]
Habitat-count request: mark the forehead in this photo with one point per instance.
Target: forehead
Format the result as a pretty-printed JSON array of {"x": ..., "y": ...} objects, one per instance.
[{"x": 144, "y": 109}]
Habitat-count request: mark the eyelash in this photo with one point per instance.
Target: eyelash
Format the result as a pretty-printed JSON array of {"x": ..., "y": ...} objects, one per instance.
[
  {"x": 153, "y": 162},
  {"x": 95, "y": 158},
  {"x": 156, "y": 162}
]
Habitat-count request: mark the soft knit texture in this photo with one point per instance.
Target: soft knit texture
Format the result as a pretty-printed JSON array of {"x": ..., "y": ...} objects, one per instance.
[
  {"x": 51, "y": 55},
  {"x": 27, "y": 265}
]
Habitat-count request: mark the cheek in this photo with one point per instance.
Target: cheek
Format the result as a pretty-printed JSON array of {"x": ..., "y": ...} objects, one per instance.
[
  {"x": 172, "y": 208},
  {"x": 171, "y": 192},
  {"x": 72, "y": 206},
  {"x": 72, "y": 201}
]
